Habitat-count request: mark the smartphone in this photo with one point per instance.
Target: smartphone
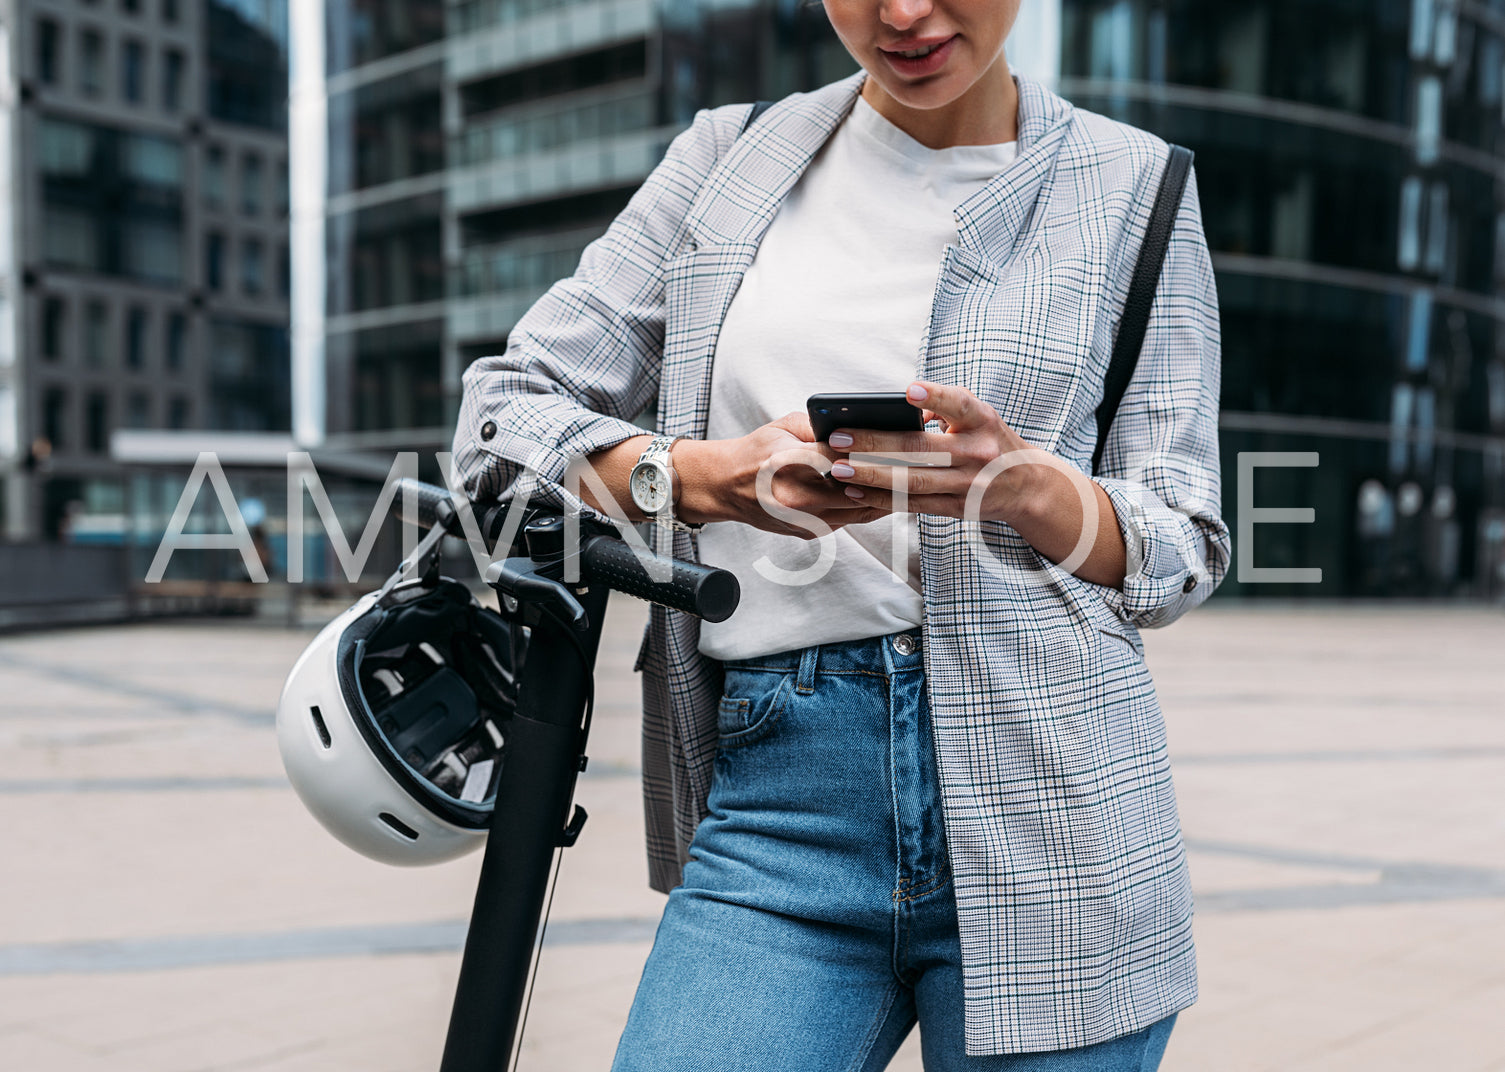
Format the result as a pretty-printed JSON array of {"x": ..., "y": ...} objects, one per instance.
[{"x": 882, "y": 411}]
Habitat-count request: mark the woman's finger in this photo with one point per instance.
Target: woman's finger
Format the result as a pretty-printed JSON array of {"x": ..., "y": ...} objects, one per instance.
[
  {"x": 957, "y": 406},
  {"x": 942, "y": 505},
  {"x": 797, "y": 424},
  {"x": 916, "y": 479}
]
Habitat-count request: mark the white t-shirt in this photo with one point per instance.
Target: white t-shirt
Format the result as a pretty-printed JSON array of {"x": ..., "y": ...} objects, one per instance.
[{"x": 837, "y": 299}]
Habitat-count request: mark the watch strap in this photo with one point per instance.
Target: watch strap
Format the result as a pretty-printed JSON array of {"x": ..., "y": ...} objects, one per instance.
[{"x": 659, "y": 449}]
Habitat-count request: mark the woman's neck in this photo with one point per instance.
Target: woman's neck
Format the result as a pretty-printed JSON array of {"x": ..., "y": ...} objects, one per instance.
[{"x": 986, "y": 114}]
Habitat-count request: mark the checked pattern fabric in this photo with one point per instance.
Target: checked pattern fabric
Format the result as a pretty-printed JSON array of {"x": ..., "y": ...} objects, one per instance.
[{"x": 1072, "y": 891}]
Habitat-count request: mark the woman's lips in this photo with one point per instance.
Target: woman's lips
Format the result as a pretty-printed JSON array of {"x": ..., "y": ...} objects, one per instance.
[{"x": 920, "y": 66}]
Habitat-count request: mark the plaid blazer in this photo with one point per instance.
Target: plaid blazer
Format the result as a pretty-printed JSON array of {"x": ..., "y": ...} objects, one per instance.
[{"x": 1071, "y": 882}]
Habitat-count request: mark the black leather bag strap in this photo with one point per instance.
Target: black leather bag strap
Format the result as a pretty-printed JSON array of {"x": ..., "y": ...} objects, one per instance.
[
  {"x": 758, "y": 109},
  {"x": 1136, "y": 315}
]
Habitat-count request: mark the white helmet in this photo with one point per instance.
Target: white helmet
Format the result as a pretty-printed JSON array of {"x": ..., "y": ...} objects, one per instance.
[{"x": 390, "y": 722}]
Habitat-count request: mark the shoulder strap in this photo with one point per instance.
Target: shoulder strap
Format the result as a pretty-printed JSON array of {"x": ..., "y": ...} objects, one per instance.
[
  {"x": 1136, "y": 315},
  {"x": 752, "y": 116}
]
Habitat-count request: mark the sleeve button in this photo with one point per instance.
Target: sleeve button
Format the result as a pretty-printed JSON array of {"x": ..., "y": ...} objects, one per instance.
[
  {"x": 488, "y": 430},
  {"x": 1191, "y": 583}
]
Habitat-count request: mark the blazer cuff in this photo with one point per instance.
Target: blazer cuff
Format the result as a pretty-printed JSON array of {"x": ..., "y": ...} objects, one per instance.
[
  {"x": 530, "y": 443},
  {"x": 1165, "y": 574}
]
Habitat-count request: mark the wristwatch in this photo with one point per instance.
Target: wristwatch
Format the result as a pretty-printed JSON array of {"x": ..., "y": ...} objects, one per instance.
[{"x": 652, "y": 484}]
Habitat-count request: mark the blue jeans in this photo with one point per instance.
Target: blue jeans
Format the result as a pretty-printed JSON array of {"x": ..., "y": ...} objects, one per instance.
[{"x": 816, "y": 923}]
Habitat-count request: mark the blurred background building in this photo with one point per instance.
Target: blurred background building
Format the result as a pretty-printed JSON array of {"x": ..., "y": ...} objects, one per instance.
[
  {"x": 473, "y": 149},
  {"x": 1351, "y": 155},
  {"x": 144, "y": 259},
  {"x": 451, "y": 158}
]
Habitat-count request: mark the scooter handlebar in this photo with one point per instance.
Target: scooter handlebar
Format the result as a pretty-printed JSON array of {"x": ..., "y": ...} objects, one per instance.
[
  {"x": 705, "y": 591},
  {"x": 435, "y": 507}
]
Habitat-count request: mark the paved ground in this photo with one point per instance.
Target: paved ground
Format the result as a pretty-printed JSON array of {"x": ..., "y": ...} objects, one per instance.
[{"x": 166, "y": 905}]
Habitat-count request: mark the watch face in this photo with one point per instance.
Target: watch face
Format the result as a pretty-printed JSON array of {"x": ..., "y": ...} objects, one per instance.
[{"x": 650, "y": 487}]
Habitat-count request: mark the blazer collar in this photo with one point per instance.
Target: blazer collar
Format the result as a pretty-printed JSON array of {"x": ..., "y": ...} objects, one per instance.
[
  {"x": 991, "y": 221},
  {"x": 743, "y": 196}
]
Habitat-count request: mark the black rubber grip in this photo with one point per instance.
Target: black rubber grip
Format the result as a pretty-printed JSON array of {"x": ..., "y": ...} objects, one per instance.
[
  {"x": 705, "y": 591},
  {"x": 434, "y": 504}
]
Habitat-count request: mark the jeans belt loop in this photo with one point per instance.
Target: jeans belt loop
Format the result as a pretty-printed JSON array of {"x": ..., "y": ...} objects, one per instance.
[{"x": 804, "y": 682}]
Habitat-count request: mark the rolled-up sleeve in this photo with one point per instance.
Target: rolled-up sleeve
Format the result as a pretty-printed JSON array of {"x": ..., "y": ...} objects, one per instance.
[
  {"x": 585, "y": 358},
  {"x": 1160, "y": 465}
]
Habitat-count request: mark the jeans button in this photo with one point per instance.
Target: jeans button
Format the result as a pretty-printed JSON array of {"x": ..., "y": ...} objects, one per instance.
[{"x": 904, "y": 644}]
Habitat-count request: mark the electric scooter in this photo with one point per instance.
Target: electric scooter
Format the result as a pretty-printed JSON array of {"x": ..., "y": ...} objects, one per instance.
[{"x": 545, "y": 740}]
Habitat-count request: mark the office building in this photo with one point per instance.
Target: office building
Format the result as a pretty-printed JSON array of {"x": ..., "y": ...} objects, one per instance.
[
  {"x": 469, "y": 152},
  {"x": 1351, "y": 157},
  {"x": 143, "y": 264}
]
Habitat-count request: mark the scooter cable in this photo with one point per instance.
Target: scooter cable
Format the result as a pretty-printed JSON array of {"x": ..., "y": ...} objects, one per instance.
[
  {"x": 517, "y": 1050},
  {"x": 543, "y": 928}
]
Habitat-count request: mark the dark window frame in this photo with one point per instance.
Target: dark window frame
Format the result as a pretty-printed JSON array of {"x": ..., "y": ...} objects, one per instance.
[
  {"x": 133, "y": 64},
  {"x": 49, "y": 51}
]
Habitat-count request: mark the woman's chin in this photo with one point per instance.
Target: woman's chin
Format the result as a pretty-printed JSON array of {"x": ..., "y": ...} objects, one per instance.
[{"x": 921, "y": 96}]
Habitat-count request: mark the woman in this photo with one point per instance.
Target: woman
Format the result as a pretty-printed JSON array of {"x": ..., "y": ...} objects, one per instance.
[{"x": 924, "y": 776}]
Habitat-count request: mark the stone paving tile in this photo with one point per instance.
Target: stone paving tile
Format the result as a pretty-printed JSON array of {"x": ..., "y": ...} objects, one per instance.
[
  {"x": 143, "y": 864},
  {"x": 1324, "y": 756}
]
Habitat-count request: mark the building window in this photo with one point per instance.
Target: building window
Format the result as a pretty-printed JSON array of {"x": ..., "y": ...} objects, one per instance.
[
  {"x": 67, "y": 149},
  {"x": 248, "y": 377},
  {"x": 153, "y": 251},
  {"x": 281, "y": 187},
  {"x": 154, "y": 161},
  {"x": 97, "y": 423},
  {"x": 169, "y": 10},
  {"x": 135, "y": 338},
  {"x": 48, "y": 45},
  {"x": 177, "y": 341},
  {"x": 252, "y": 271},
  {"x": 96, "y": 334},
  {"x": 55, "y": 417},
  {"x": 133, "y": 71},
  {"x": 214, "y": 177},
  {"x": 284, "y": 273},
  {"x": 172, "y": 80},
  {"x": 138, "y": 410},
  {"x": 91, "y": 63},
  {"x": 214, "y": 261},
  {"x": 70, "y": 238},
  {"x": 177, "y": 413},
  {"x": 250, "y": 184},
  {"x": 53, "y": 313},
  {"x": 131, "y": 7}
]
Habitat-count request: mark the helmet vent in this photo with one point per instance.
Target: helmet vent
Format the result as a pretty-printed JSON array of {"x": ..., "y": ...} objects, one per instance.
[
  {"x": 397, "y": 824},
  {"x": 324, "y": 737}
]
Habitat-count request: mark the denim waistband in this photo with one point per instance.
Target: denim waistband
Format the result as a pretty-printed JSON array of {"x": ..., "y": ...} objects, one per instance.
[{"x": 891, "y": 653}]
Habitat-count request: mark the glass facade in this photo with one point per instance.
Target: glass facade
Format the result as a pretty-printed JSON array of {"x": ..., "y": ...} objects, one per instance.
[
  {"x": 247, "y": 62},
  {"x": 1351, "y": 163},
  {"x": 112, "y": 201},
  {"x": 468, "y": 169},
  {"x": 250, "y": 389},
  {"x": 146, "y": 184}
]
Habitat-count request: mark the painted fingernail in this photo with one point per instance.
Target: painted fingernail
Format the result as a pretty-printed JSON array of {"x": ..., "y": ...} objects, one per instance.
[
  {"x": 842, "y": 469},
  {"x": 917, "y": 393},
  {"x": 854, "y": 491},
  {"x": 840, "y": 440}
]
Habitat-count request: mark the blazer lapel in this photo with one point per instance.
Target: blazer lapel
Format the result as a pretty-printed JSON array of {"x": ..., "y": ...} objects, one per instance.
[
  {"x": 731, "y": 213},
  {"x": 991, "y": 222}
]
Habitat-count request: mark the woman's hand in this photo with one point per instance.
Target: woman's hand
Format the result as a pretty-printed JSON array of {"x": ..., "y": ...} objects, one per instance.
[
  {"x": 982, "y": 470},
  {"x": 975, "y": 438},
  {"x": 773, "y": 479}
]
